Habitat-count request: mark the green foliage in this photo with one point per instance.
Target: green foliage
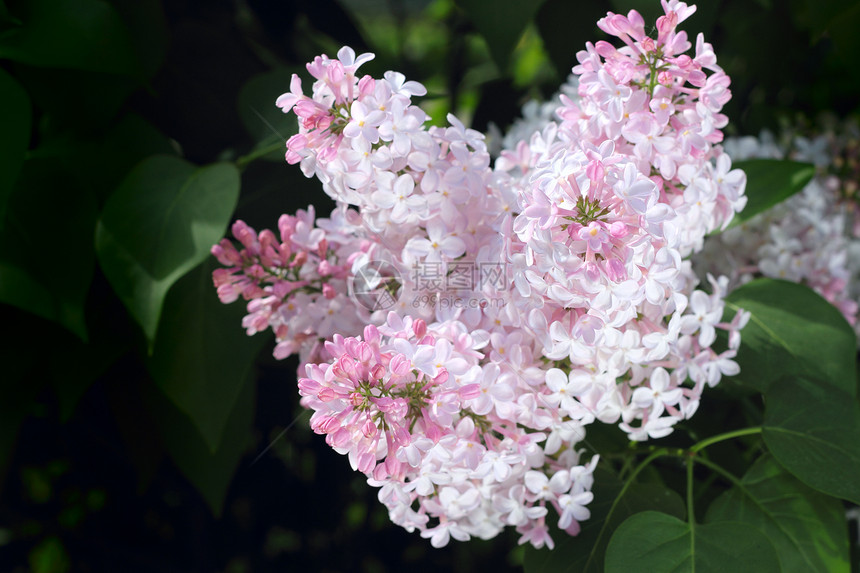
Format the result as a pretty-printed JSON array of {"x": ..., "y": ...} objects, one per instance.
[
  {"x": 200, "y": 356},
  {"x": 813, "y": 430},
  {"x": 57, "y": 290},
  {"x": 769, "y": 182},
  {"x": 210, "y": 469},
  {"x": 503, "y": 26},
  {"x": 613, "y": 503},
  {"x": 653, "y": 541},
  {"x": 786, "y": 336},
  {"x": 92, "y": 34},
  {"x": 806, "y": 528},
  {"x": 160, "y": 224}
]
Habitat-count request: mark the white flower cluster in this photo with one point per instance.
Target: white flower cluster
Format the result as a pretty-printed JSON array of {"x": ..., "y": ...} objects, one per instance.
[{"x": 813, "y": 237}]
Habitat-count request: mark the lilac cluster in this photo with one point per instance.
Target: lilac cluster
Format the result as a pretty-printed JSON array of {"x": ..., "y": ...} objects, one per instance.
[{"x": 472, "y": 417}]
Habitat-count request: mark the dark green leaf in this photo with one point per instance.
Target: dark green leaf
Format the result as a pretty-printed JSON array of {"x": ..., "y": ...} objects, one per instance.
[
  {"x": 586, "y": 551},
  {"x": 15, "y": 118},
  {"x": 46, "y": 251},
  {"x": 104, "y": 161},
  {"x": 813, "y": 430},
  {"x": 807, "y": 528},
  {"x": 211, "y": 473},
  {"x": 77, "y": 34},
  {"x": 792, "y": 331},
  {"x": 653, "y": 542},
  {"x": 202, "y": 355},
  {"x": 769, "y": 182},
  {"x": 502, "y": 26},
  {"x": 264, "y": 121},
  {"x": 160, "y": 224},
  {"x": 147, "y": 32}
]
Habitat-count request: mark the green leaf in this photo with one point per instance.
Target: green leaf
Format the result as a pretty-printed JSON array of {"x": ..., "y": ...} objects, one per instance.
[
  {"x": 653, "y": 542},
  {"x": 585, "y": 551},
  {"x": 502, "y": 26},
  {"x": 104, "y": 160},
  {"x": 264, "y": 121},
  {"x": 46, "y": 253},
  {"x": 792, "y": 331},
  {"x": 813, "y": 430},
  {"x": 15, "y": 117},
  {"x": 807, "y": 529},
  {"x": 159, "y": 225},
  {"x": 77, "y": 34},
  {"x": 148, "y": 32},
  {"x": 202, "y": 355},
  {"x": 210, "y": 472},
  {"x": 769, "y": 182}
]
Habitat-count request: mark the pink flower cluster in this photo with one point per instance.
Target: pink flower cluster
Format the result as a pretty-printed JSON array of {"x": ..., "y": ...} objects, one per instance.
[
  {"x": 451, "y": 443},
  {"x": 296, "y": 283},
  {"x": 575, "y": 304}
]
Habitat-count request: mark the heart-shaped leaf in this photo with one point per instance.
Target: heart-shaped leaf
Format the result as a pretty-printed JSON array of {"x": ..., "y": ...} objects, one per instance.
[
  {"x": 652, "y": 541},
  {"x": 201, "y": 357},
  {"x": 807, "y": 528},
  {"x": 160, "y": 224},
  {"x": 792, "y": 331},
  {"x": 813, "y": 430},
  {"x": 769, "y": 182}
]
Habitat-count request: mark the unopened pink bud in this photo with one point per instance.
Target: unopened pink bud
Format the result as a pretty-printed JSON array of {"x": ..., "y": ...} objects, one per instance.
[
  {"x": 469, "y": 391},
  {"x": 618, "y": 229},
  {"x": 300, "y": 259},
  {"x": 399, "y": 364},
  {"x": 365, "y": 353},
  {"x": 419, "y": 327},
  {"x": 366, "y": 85},
  {"x": 324, "y": 268},
  {"x": 371, "y": 334},
  {"x": 329, "y": 291},
  {"x": 442, "y": 377},
  {"x": 401, "y": 436},
  {"x": 369, "y": 429},
  {"x": 366, "y": 461}
]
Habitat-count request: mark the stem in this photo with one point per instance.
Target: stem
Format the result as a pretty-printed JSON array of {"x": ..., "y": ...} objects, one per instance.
[
  {"x": 639, "y": 468},
  {"x": 691, "y": 513},
  {"x": 244, "y": 160},
  {"x": 722, "y": 437},
  {"x": 726, "y": 474}
]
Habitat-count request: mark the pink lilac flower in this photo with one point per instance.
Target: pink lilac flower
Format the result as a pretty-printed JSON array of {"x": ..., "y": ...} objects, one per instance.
[{"x": 533, "y": 298}]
